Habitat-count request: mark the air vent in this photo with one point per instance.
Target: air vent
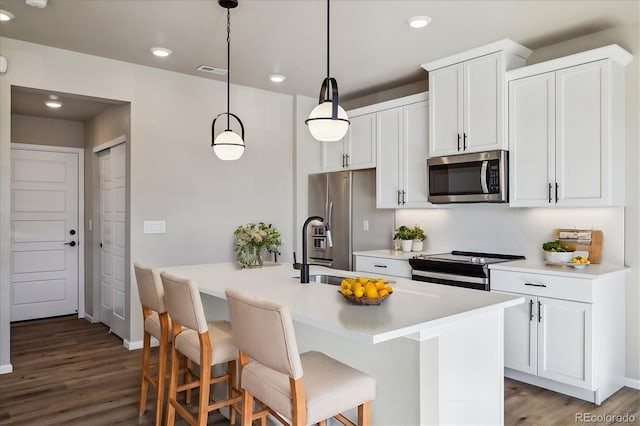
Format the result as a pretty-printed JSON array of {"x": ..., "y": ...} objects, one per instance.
[{"x": 212, "y": 70}]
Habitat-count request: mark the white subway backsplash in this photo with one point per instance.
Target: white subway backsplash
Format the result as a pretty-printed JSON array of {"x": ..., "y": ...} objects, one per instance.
[{"x": 498, "y": 228}]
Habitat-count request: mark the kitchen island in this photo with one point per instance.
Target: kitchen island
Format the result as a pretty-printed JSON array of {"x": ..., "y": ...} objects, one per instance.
[{"x": 436, "y": 351}]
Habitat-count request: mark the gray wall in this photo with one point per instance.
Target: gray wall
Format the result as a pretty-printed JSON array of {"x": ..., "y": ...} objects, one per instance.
[{"x": 46, "y": 131}]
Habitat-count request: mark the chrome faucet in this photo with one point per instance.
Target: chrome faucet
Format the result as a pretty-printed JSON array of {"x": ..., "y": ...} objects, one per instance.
[{"x": 304, "y": 268}]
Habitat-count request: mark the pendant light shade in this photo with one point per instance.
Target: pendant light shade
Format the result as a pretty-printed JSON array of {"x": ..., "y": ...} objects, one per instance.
[
  {"x": 328, "y": 122},
  {"x": 228, "y": 145}
]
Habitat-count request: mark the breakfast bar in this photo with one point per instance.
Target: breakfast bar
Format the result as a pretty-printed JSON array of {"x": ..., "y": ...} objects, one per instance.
[{"x": 436, "y": 351}]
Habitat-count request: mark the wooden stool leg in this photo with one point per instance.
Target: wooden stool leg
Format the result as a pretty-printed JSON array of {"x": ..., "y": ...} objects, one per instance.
[
  {"x": 162, "y": 368},
  {"x": 205, "y": 388},
  {"x": 364, "y": 414},
  {"x": 144, "y": 386},
  {"x": 187, "y": 378},
  {"x": 173, "y": 386},
  {"x": 247, "y": 408},
  {"x": 231, "y": 386}
]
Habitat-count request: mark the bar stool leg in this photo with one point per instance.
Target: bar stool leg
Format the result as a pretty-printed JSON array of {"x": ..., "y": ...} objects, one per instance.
[
  {"x": 173, "y": 386},
  {"x": 144, "y": 386}
]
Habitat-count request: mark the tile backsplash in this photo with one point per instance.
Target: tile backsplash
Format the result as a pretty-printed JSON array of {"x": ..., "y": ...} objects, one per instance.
[{"x": 499, "y": 228}]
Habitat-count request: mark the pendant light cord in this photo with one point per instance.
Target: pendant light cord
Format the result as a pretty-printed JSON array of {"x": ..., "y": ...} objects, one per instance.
[
  {"x": 228, "y": 64},
  {"x": 328, "y": 18}
]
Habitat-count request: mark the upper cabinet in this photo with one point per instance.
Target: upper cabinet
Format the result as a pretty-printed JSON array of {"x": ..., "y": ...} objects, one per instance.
[
  {"x": 357, "y": 150},
  {"x": 566, "y": 130},
  {"x": 466, "y": 98},
  {"x": 402, "y": 153}
]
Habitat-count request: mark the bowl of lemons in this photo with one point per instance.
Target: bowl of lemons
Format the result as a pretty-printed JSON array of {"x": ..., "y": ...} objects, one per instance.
[
  {"x": 365, "y": 291},
  {"x": 579, "y": 262}
]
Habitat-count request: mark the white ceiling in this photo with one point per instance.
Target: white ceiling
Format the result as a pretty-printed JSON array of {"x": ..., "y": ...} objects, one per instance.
[{"x": 373, "y": 48}]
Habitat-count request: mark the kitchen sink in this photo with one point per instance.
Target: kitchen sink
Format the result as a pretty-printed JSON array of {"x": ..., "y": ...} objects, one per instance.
[{"x": 326, "y": 279}]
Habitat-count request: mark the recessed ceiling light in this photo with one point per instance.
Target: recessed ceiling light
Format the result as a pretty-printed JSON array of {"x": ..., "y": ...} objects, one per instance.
[
  {"x": 419, "y": 21},
  {"x": 53, "y": 104},
  {"x": 161, "y": 51},
  {"x": 6, "y": 16},
  {"x": 277, "y": 78},
  {"x": 37, "y": 3}
]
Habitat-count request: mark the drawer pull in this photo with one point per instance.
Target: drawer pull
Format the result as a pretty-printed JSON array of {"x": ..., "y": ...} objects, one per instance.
[
  {"x": 535, "y": 285},
  {"x": 380, "y": 266}
]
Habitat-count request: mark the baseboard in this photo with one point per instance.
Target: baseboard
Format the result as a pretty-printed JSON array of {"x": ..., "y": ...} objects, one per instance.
[
  {"x": 632, "y": 383},
  {"x": 132, "y": 346},
  {"x": 6, "y": 369},
  {"x": 90, "y": 318}
]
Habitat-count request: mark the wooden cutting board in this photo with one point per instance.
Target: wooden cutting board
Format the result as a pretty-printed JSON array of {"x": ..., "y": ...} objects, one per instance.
[{"x": 588, "y": 240}]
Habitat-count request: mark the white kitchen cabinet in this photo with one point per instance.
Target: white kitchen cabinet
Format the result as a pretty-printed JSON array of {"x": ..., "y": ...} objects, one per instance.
[
  {"x": 357, "y": 150},
  {"x": 466, "y": 98},
  {"x": 566, "y": 131},
  {"x": 402, "y": 154},
  {"x": 382, "y": 266},
  {"x": 550, "y": 340}
]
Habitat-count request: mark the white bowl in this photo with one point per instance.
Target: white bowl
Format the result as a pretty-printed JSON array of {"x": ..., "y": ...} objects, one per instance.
[{"x": 558, "y": 256}]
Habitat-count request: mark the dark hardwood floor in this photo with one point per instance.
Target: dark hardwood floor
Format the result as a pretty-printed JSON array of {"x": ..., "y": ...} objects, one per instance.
[{"x": 70, "y": 372}]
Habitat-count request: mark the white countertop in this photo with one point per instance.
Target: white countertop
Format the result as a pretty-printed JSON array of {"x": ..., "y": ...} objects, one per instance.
[
  {"x": 413, "y": 307},
  {"x": 592, "y": 271},
  {"x": 389, "y": 254}
]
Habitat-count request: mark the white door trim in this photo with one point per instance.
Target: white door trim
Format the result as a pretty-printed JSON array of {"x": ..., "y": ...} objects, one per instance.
[
  {"x": 110, "y": 144},
  {"x": 80, "y": 152}
]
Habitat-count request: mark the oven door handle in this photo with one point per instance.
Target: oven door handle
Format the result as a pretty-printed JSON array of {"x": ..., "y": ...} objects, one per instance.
[
  {"x": 483, "y": 177},
  {"x": 450, "y": 277}
]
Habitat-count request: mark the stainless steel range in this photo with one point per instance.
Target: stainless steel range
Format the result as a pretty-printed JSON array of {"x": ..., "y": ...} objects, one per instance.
[{"x": 458, "y": 268}]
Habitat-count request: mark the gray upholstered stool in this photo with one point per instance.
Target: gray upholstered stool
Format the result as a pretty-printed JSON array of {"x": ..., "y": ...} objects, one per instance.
[{"x": 308, "y": 388}]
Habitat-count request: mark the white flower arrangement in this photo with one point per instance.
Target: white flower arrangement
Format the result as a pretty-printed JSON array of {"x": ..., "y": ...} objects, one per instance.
[{"x": 252, "y": 239}]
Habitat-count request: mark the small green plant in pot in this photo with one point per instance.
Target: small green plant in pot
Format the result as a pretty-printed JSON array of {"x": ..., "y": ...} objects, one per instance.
[
  {"x": 418, "y": 238},
  {"x": 405, "y": 235},
  {"x": 557, "y": 252}
]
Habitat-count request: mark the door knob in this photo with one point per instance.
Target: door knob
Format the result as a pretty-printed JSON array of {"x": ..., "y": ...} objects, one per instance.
[{"x": 72, "y": 244}]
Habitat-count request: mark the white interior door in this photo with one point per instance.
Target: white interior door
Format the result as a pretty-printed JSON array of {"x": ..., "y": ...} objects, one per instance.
[
  {"x": 113, "y": 310},
  {"x": 44, "y": 234}
]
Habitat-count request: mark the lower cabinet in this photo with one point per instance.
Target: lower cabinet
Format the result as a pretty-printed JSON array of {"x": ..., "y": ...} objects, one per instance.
[
  {"x": 569, "y": 334},
  {"x": 550, "y": 338},
  {"x": 383, "y": 266}
]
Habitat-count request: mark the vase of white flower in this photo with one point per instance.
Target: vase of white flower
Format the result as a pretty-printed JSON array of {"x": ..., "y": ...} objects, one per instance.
[{"x": 252, "y": 241}]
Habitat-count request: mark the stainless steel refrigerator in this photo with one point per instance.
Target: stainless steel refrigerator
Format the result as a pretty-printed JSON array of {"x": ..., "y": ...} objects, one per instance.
[{"x": 347, "y": 201}]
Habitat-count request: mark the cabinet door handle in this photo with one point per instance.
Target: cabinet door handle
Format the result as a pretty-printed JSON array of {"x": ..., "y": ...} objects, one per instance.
[
  {"x": 403, "y": 197},
  {"x": 458, "y": 141},
  {"x": 530, "y": 309},
  {"x": 557, "y": 187},
  {"x": 346, "y": 162},
  {"x": 535, "y": 285},
  {"x": 550, "y": 199},
  {"x": 380, "y": 266},
  {"x": 464, "y": 142},
  {"x": 398, "y": 197},
  {"x": 539, "y": 311}
]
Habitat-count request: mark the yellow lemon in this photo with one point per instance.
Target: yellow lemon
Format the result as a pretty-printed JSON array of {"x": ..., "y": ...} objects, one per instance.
[
  {"x": 371, "y": 293},
  {"x": 382, "y": 293},
  {"x": 362, "y": 280},
  {"x": 583, "y": 260},
  {"x": 346, "y": 292},
  {"x": 359, "y": 292},
  {"x": 380, "y": 285},
  {"x": 388, "y": 288},
  {"x": 345, "y": 284},
  {"x": 370, "y": 286}
]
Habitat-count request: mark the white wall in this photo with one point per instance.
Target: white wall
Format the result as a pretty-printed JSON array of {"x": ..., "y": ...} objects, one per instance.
[{"x": 174, "y": 174}]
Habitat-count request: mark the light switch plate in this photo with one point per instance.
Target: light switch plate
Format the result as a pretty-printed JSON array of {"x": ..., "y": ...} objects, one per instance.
[{"x": 155, "y": 227}]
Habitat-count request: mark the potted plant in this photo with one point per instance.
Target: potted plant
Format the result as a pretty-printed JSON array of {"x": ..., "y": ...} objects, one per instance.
[
  {"x": 418, "y": 238},
  {"x": 252, "y": 240},
  {"x": 405, "y": 235}
]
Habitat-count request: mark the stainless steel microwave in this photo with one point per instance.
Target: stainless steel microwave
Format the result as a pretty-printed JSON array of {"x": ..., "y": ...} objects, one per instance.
[{"x": 481, "y": 177}]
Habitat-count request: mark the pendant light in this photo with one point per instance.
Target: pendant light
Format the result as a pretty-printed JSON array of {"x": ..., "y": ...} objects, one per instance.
[
  {"x": 228, "y": 145},
  {"x": 328, "y": 122}
]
